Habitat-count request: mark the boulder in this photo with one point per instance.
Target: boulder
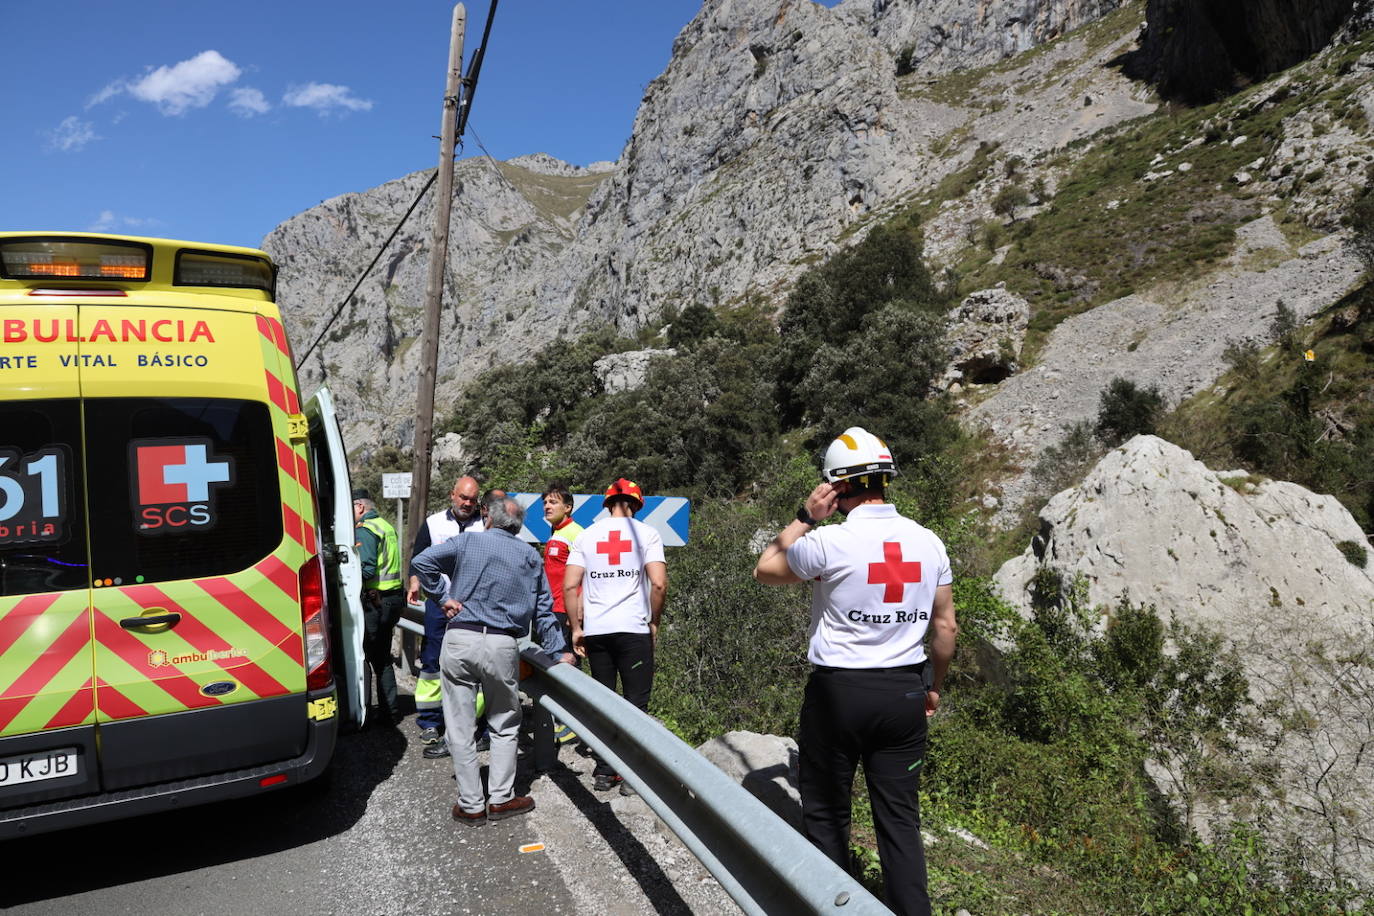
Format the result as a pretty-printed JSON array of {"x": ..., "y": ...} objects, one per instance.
[
  {"x": 766, "y": 765},
  {"x": 986, "y": 332},
  {"x": 626, "y": 371},
  {"x": 1283, "y": 574},
  {"x": 1154, "y": 524}
]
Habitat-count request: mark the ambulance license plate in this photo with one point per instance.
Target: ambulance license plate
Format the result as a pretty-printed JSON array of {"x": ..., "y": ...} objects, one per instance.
[{"x": 38, "y": 766}]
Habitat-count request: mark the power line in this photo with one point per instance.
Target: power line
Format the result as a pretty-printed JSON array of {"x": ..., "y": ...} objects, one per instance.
[
  {"x": 468, "y": 89},
  {"x": 367, "y": 270}
]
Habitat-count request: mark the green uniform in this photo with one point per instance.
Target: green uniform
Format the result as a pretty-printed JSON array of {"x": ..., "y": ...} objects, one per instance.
[{"x": 383, "y": 600}]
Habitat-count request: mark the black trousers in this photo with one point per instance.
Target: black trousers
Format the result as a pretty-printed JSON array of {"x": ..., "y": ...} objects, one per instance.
[
  {"x": 879, "y": 718},
  {"x": 379, "y": 619},
  {"x": 631, "y": 657}
]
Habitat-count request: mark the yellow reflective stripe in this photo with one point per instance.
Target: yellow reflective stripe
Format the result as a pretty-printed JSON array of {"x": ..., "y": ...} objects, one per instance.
[{"x": 428, "y": 693}]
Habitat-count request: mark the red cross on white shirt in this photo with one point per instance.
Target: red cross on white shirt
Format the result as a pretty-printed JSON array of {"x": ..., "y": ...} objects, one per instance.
[
  {"x": 893, "y": 573},
  {"x": 613, "y": 547}
]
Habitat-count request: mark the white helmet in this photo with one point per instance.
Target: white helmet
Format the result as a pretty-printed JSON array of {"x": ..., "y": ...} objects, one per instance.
[{"x": 856, "y": 452}]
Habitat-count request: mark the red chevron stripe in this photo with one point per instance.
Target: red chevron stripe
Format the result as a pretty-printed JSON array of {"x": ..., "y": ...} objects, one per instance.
[
  {"x": 275, "y": 392},
  {"x": 204, "y": 639},
  {"x": 61, "y": 651},
  {"x": 75, "y": 710},
  {"x": 293, "y": 403},
  {"x": 114, "y": 704},
  {"x": 292, "y": 522},
  {"x": 302, "y": 473},
  {"x": 11, "y": 707},
  {"x": 253, "y": 614},
  {"x": 308, "y": 536},
  {"x": 281, "y": 575},
  {"x": 18, "y": 618},
  {"x": 278, "y": 335},
  {"x": 265, "y": 327},
  {"x": 286, "y": 459},
  {"x": 131, "y": 649}
]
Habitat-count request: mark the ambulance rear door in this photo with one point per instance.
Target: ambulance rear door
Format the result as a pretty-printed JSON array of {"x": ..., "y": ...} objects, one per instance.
[
  {"x": 334, "y": 497},
  {"x": 197, "y": 544},
  {"x": 47, "y": 699}
]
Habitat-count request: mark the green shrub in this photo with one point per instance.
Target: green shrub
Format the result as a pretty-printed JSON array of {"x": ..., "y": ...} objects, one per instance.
[
  {"x": 1354, "y": 552},
  {"x": 1126, "y": 410},
  {"x": 1360, "y": 219}
]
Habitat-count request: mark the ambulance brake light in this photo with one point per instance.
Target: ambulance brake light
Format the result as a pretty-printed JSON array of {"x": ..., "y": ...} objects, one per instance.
[
  {"x": 315, "y": 625},
  {"x": 49, "y": 258}
]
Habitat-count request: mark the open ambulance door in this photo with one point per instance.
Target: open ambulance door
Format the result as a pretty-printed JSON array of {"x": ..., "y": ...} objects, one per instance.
[{"x": 334, "y": 495}]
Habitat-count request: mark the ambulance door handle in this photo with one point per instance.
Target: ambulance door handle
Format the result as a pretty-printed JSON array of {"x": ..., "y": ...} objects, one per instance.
[{"x": 155, "y": 622}]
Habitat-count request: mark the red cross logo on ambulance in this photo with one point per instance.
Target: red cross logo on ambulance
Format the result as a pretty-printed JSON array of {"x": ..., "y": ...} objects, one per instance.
[{"x": 173, "y": 484}]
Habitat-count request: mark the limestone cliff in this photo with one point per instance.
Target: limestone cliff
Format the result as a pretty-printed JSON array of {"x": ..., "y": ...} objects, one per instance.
[
  {"x": 1199, "y": 49},
  {"x": 1283, "y": 574}
]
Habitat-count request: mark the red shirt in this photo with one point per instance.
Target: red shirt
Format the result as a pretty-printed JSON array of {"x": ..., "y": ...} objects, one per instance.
[{"x": 556, "y": 559}]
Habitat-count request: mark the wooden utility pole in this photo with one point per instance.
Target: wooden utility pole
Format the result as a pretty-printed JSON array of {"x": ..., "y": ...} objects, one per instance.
[{"x": 434, "y": 287}]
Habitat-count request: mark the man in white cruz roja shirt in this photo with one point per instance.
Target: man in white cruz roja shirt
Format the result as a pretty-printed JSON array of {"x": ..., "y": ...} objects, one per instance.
[
  {"x": 613, "y": 590},
  {"x": 881, "y": 596}
]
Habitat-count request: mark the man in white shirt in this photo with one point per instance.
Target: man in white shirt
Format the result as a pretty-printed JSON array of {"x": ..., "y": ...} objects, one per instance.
[
  {"x": 881, "y": 598},
  {"x": 613, "y": 590},
  {"x": 462, "y": 516}
]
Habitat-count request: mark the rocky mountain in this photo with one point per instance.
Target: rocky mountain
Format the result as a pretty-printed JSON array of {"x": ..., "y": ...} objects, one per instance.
[
  {"x": 778, "y": 131},
  {"x": 932, "y": 38},
  {"x": 1282, "y": 573},
  {"x": 1096, "y": 230}
]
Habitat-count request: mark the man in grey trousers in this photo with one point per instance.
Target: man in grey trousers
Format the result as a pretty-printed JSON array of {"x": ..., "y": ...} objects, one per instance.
[{"x": 497, "y": 588}]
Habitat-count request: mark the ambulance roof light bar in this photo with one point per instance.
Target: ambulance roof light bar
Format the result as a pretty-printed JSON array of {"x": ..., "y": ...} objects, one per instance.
[{"x": 55, "y": 258}]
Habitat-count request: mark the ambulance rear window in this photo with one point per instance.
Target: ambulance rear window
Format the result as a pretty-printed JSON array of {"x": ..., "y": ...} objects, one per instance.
[
  {"x": 180, "y": 488},
  {"x": 42, "y": 530}
]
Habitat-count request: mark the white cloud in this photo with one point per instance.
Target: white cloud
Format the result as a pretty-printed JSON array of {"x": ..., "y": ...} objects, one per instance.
[
  {"x": 324, "y": 97},
  {"x": 71, "y": 135},
  {"x": 109, "y": 221},
  {"x": 109, "y": 92},
  {"x": 190, "y": 84},
  {"x": 248, "y": 102}
]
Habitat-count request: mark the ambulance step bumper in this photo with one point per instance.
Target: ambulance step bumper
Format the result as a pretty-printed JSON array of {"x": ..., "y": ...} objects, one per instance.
[{"x": 168, "y": 796}]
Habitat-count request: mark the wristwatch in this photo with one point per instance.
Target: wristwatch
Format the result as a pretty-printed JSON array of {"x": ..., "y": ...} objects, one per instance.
[{"x": 805, "y": 517}]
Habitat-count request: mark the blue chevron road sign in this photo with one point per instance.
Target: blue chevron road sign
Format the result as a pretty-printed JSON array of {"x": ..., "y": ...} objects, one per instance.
[{"x": 666, "y": 514}]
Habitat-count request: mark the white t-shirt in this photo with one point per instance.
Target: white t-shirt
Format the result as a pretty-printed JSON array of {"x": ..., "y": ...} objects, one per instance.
[
  {"x": 875, "y": 580},
  {"x": 615, "y": 589}
]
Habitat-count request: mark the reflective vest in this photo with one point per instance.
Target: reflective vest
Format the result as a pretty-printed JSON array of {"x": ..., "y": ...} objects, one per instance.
[{"x": 388, "y": 574}]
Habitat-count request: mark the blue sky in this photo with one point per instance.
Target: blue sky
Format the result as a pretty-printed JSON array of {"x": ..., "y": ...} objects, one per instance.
[{"x": 216, "y": 122}]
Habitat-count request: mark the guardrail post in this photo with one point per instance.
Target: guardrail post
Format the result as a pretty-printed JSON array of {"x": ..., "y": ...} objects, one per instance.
[{"x": 545, "y": 750}]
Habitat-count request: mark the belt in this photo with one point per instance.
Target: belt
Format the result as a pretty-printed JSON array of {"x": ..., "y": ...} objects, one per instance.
[
  {"x": 514, "y": 632},
  {"x": 900, "y": 669}
]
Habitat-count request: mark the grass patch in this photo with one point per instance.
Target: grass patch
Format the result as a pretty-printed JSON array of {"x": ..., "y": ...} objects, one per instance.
[{"x": 553, "y": 195}]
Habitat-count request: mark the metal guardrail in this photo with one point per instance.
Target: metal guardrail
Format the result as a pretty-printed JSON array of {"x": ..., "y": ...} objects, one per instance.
[
  {"x": 760, "y": 860},
  {"x": 765, "y": 865}
]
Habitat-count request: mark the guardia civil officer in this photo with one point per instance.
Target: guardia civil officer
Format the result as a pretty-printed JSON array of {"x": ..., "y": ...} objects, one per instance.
[
  {"x": 379, "y": 554},
  {"x": 882, "y": 610}
]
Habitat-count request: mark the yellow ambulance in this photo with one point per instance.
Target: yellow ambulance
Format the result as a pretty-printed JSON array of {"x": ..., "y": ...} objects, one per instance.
[{"x": 179, "y": 613}]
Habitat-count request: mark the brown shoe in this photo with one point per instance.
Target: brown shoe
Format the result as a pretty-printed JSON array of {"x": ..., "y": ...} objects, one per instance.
[
  {"x": 471, "y": 818},
  {"x": 520, "y": 804}
]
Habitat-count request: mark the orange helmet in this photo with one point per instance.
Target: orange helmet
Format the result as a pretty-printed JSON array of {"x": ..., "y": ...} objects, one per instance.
[{"x": 628, "y": 489}]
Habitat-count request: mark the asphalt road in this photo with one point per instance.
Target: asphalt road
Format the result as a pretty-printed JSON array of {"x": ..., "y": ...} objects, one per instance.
[{"x": 375, "y": 837}]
